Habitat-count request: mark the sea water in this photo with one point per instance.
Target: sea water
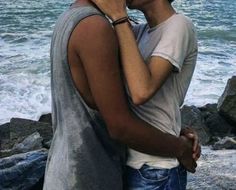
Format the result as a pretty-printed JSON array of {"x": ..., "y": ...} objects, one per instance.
[{"x": 25, "y": 31}]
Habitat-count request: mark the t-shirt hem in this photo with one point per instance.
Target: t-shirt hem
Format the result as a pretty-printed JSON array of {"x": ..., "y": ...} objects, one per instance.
[{"x": 170, "y": 59}]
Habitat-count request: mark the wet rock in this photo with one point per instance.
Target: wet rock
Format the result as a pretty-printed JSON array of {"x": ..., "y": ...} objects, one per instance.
[
  {"x": 218, "y": 126},
  {"x": 21, "y": 128},
  {"x": 4, "y": 136},
  {"x": 22, "y": 171},
  {"x": 191, "y": 117},
  {"x": 208, "y": 110},
  {"x": 32, "y": 142},
  {"x": 47, "y": 144},
  {"x": 227, "y": 102},
  {"x": 225, "y": 143},
  {"x": 46, "y": 118}
]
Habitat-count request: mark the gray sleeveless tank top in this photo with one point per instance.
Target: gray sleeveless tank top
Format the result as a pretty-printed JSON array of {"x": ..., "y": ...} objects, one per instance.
[{"x": 82, "y": 156}]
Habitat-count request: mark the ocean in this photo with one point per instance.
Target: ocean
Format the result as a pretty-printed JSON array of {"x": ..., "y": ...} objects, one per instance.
[
  {"x": 26, "y": 29},
  {"x": 25, "y": 32}
]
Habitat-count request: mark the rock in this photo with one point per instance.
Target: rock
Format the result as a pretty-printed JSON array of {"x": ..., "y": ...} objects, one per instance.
[
  {"x": 218, "y": 126},
  {"x": 21, "y": 128},
  {"x": 32, "y": 142},
  {"x": 225, "y": 143},
  {"x": 4, "y": 131},
  {"x": 227, "y": 102},
  {"x": 191, "y": 117},
  {"x": 47, "y": 144},
  {"x": 208, "y": 110},
  {"x": 4, "y": 136},
  {"x": 22, "y": 171},
  {"x": 39, "y": 185},
  {"x": 46, "y": 118}
]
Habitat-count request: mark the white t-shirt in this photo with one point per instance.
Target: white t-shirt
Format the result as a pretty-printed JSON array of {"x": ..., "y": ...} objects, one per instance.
[{"x": 175, "y": 40}]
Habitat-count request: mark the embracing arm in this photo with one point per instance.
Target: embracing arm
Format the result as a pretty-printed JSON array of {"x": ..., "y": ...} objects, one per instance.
[
  {"x": 99, "y": 55},
  {"x": 143, "y": 79}
]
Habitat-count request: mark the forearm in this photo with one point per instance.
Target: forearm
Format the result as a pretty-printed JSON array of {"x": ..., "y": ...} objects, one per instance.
[
  {"x": 137, "y": 73},
  {"x": 145, "y": 138}
]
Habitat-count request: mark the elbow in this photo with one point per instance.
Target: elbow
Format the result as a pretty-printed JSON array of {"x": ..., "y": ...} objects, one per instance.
[{"x": 140, "y": 98}]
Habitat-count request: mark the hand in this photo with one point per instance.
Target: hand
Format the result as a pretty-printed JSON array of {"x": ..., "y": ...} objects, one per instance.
[
  {"x": 192, "y": 135},
  {"x": 114, "y": 9},
  {"x": 186, "y": 157}
]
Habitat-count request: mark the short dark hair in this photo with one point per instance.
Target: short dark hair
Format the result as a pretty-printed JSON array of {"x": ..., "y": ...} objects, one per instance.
[{"x": 170, "y": 1}]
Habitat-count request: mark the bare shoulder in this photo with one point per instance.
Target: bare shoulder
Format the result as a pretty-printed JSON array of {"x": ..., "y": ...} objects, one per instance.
[{"x": 91, "y": 30}]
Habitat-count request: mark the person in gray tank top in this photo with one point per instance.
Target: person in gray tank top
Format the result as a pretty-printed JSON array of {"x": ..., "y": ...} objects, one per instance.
[
  {"x": 92, "y": 122},
  {"x": 158, "y": 60}
]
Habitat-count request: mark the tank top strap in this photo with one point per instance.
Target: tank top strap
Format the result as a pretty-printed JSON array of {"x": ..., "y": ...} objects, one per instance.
[{"x": 74, "y": 16}]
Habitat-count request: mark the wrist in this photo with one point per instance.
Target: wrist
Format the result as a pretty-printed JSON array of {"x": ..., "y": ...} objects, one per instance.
[
  {"x": 180, "y": 147},
  {"x": 120, "y": 21},
  {"x": 118, "y": 16}
]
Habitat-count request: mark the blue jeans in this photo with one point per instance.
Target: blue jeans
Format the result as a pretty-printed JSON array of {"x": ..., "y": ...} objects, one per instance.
[{"x": 150, "y": 178}]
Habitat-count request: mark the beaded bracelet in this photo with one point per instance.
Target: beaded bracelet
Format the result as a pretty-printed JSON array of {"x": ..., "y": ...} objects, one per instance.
[{"x": 120, "y": 21}]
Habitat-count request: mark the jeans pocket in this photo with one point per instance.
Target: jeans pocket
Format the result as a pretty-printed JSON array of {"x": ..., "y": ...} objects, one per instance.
[{"x": 151, "y": 174}]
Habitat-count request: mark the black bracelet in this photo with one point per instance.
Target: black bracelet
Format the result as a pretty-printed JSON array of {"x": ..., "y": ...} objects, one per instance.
[{"x": 120, "y": 21}]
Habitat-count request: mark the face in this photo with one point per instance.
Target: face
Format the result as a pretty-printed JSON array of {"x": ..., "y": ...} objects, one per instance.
[{"x": 137, "y": 4}]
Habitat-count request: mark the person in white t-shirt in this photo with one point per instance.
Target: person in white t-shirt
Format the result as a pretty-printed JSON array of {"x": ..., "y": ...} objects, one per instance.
[{"x": 158, "y": 60}]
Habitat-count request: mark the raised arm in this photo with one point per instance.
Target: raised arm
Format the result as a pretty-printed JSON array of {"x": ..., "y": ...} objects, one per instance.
[
  {"x": 143, "y": 79},
  {"x": 99, "y": 54}
]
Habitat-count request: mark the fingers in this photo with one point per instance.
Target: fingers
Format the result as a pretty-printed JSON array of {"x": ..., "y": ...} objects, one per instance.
[
  {"x": 192, "y": 167},
  {"x": 195, "y": 142},
  {"x": 191, "y": 134},
  {"x": 197, "y": 153}
]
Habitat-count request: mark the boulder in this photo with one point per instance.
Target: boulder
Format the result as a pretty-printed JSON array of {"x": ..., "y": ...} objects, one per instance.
[
  {"x": 4, "y": 136},
  {"x": 218, "y": 126},
  {"x": 32, "y": 142},
  {"x": 21, "y": 128},
  {"x": 46, "y": 118},
  {"x": 208, "y": 109},
  {"x": 23, "y": 171},
  {"x": 191, "y": 117},
  {"x": 225, "y": 143},
  {"x": 227, "y": 102},
  {"x": 47, "y": 144}
]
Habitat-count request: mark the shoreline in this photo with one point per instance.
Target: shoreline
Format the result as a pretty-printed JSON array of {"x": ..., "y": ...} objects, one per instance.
[{"x": 23, "y": 141}]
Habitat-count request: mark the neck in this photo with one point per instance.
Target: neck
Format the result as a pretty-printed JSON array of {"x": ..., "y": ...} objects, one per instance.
[{"x": 157, "y": 12}]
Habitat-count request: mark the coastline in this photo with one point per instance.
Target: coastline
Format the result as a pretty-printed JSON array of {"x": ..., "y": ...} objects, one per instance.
[{"x": 24, "y": 141}]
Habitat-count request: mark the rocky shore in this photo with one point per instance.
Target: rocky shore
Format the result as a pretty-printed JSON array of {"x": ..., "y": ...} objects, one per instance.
[{"x": 24, "y": 143}]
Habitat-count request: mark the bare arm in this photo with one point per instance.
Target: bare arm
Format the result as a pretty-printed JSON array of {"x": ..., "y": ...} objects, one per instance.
[
  {"x": 99, "y": 54},
  {"x": 144, "y": 79}
]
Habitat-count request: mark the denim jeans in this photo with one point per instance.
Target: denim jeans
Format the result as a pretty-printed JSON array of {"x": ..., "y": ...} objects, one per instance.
[{"x": 150, "y": 178}]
